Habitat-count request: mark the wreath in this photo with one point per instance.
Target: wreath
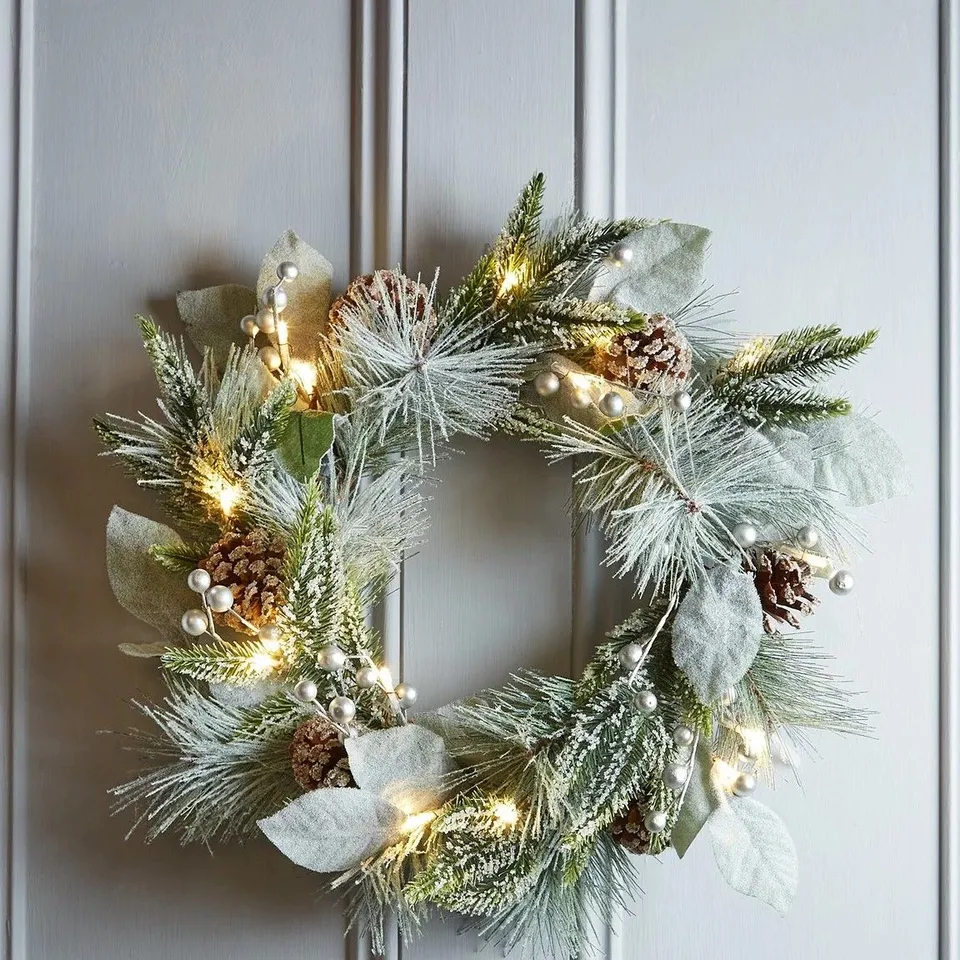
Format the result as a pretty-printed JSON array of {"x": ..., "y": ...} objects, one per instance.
[{"x": 293, "y": 464}]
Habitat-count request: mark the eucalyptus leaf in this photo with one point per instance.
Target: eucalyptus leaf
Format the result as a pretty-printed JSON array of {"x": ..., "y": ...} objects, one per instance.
[
  {"x": 309, "y": 294},
  {"x": 857, "y": 461},
  {"x": 307, "y": 438},
  {"x": 333, "y": 829},
  {"x": 699, "y": 802},
  {"x": 405, "y": 765},
  {"x": 717, "y": 631},
  {"x": 146, "y": 589},
  {"x": 755, "y": 853},
  {"x": 665, "y": 272},
  {"x": 212, "y": 317}
]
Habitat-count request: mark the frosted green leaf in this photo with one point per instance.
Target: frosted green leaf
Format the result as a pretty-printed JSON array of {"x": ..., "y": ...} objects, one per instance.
[
  {"x": 792, "y": 462},
  {"x": 308, "y": 295},
  {"x": 307, "y": 438},
  {"x": 405, "y": 765},
  {"x": 242, "y": 697},
  {"x": 699, "y": 802},
  {"x": 717, "y": 630},
  {"x": 333, "y": 829},
  {"x": 857, "y": 461},
  {"x": 144, "y": 650},
  {"x": 150, "y": 592},
  {"x": 212, "y": 317},
  {"x": 754, "y": 852},
  {"x": 665, "y": 272}
]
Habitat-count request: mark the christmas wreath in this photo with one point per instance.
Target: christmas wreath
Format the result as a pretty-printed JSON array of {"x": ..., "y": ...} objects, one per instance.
[{"x": 293, "y": 464}]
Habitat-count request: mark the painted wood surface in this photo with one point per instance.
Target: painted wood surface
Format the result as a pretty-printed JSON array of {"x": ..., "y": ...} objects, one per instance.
[{"x": 167, "y": 145}]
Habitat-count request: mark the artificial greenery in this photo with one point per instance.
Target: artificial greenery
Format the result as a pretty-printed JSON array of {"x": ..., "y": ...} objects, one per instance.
[{"x": 515, "y": 807}]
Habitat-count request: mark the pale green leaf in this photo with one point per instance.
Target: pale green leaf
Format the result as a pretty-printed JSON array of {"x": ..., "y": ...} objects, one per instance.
[
  {"x": 243, "y": 697},
  {"x": 717, "y": 631},
  {"x": 212, "y": 318},
  {"x": 405, "y": 765},
  {"x": 857, "y": 461},
  {"x": 146, "y": 589},
  {"x": 755, "y": 853},
  {"x": 699, "y": 802},
  {"x": 308, "y": 295},
  {"x": 665, "y": 272},
  {"x": 145, "y": 650},
  {"x": 307, "y": 438},
  {"x": 333, "y": 829}
]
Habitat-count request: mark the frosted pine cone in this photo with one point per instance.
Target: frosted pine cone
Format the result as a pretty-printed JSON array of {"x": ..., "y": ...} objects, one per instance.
[
  {"x": 250, "y": 564},
  {"x": 782, "y": 583},
  {"x": 318, "y": 757},
  {"x": 657, "y": 359},
  {"x": 628, "y": 828},
  {"x": 393, "y": 290}
]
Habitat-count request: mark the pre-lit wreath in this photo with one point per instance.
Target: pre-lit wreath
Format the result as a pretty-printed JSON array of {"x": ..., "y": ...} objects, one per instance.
[{"x": 292, "y": 464}]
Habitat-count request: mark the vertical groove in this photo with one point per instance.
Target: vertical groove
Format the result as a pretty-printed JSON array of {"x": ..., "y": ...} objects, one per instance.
[
  {"x": 17, "y": 163},
  {"x": 949, "y": 479},
  {"x": 598, "y": 173},
  {"x": 378, "y": 190}
]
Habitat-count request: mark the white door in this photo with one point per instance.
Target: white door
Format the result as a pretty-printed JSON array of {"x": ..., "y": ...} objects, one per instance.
[{"x": 164, "y": 144}]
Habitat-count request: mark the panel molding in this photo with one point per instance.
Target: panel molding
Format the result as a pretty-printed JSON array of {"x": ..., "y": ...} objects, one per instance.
[
  {"x": 378, "y": 208},
  {"x": 16, "y": 68},
  {"x": 950, "y": 479},
  {"x": 599, "y": 186}
]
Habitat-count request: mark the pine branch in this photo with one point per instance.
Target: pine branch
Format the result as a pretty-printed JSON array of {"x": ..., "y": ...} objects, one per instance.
[
  {"x": 206, "y": 780},
  {"x": 522, "y": 228},
  {"x": 182, "y": 558},
  {"x": 765, "y": 404},
  {"x": 238, "y": 662}
]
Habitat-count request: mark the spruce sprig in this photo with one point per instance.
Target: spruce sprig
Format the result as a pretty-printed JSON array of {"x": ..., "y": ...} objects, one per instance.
[{"x": 768, "y": 380}]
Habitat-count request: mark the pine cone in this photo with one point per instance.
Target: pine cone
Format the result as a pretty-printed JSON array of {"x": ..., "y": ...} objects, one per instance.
[
  {"x": 657, "y": 359},
  {"x": 250, "y": 565},
  {"x": 366, "y": 291},
  {"x": 318, "y": 757},
  {"x": 782, "y": 582},
  {"x": 628, "y": 829}
]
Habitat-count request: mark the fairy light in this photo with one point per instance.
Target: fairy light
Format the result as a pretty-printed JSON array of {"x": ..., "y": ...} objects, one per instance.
[
  {"x": 506, "y": 813},
  {"x": 271, "y": 647},
  {"x": 305, "y": 374},
  {"x": 754, "y": 741},
  {"x": 227, "y": 494},
  {"x": 262, "y": 663},
  {"x": 749, "y": 355},
  {"x": 513, "y": 276},
  {"x": 417, "y": 820},
  {"x": 724, "y": 774}
]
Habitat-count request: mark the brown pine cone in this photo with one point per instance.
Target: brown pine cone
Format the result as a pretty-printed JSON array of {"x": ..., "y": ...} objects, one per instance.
[
  {"x": 657, "y": 359},
  {"x": 782, "y": 583},
  {"x": 249, "y": 564},
  {"x": 318, "y": 757},
  {"x": 628, "y": 829},
  {"x": 366, "y": 291}
]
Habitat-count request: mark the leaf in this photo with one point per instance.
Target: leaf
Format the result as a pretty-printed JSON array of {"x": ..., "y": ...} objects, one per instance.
[
  {"x": 716, "y": 632},
  {"x": 405, "y": 765},
  {"x": 212, "y": 317},
  {"x": 699, "y": 802},
  {"x": 143, "y": 649},
  {"x": 665, "y": 273},
  {"x": 243, "y": 697},
  {"x": 333, "y": 829},
  {"x": 791, "y": 461},
  {"x": 307, "y": 438},
  {"x": 150, "y": 592},
  {"x": 856, "y": 460},
  {"x": 309, "y": 294},
  {"x": 754, "y": 852}
]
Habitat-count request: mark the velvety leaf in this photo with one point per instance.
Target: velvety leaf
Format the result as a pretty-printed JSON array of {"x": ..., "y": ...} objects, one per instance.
[
  {"x": 308, "y": 437},
  {"x": 405, "y": 765},
  {"x": 308, "y": 295},
  {"x": 701, "y": 799},
  {"x": 249, "y": 695},
  {"x": 152, "y": 593},
  {"x": 717, "y": 631},
  {"x": 857, "y": 461},
  {"x": 791, "y": 462},
  {"x": 665, "y": 273},
  {"x": 145, "y": 650},
  {"x": 754, "y": 852},
  {"x": 333, "y": 829},
  {"x": 212, "y": 317}
]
